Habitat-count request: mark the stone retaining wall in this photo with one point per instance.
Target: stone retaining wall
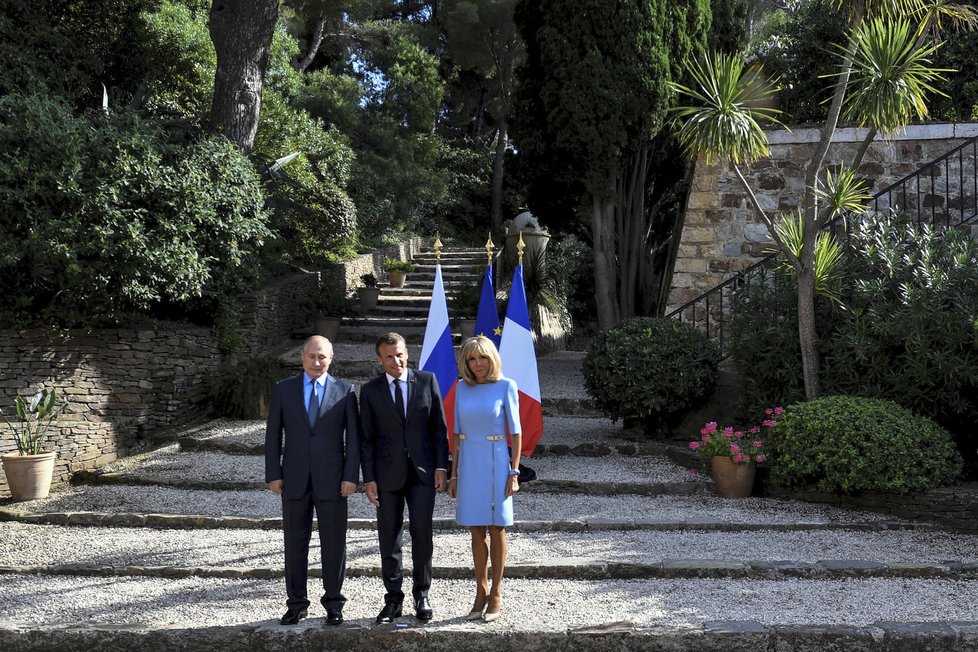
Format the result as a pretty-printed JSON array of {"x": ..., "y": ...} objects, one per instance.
[
  {"x": 122, "y": 385},
  {"x": 722, "y": 233}
]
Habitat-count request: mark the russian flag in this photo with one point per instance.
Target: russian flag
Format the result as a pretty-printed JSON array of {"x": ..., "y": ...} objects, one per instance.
[
  {"x": 437, "y": 354},
  {"x": 520, "y": 362},
  {"x": 487, "y": 319}
]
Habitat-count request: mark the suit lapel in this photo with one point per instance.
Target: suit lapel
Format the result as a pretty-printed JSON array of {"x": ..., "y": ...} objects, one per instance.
[
  {"x": 330, "y": 396},
  {"x": 299, "y": 395},
  {"x": 412, "y": 385}
]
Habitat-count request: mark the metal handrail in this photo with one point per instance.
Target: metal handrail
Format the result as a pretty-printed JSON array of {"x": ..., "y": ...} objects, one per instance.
[{"x": 709, "y": 306}]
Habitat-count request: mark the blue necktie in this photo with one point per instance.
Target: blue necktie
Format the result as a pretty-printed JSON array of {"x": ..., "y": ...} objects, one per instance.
[{"x": 313, "y": 408}]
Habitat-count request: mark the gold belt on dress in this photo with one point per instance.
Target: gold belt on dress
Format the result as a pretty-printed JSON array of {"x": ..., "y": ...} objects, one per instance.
[{"x": 488, "y": 437}]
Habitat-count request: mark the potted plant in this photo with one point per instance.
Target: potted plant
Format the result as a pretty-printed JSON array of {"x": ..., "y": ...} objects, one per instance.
[
  {"x": 369, "y": 293},
  {"x": 329, "y": 306},
  {"x": 244, "y": 388},
  {"x": 397, "y": 270},
  {"x": 733, "y": 454},
  {"x": 30, "y": 470}
]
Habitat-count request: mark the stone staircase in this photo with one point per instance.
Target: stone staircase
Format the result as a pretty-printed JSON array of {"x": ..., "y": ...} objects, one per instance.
[
  {"x": 405, "y": 310},
  {"x": 616, "y": 547}
]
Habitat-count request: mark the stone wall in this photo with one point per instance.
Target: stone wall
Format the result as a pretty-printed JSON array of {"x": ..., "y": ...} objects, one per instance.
[
  {"x": 122, "y": 385},
  {"x": 722, "y": 233}
]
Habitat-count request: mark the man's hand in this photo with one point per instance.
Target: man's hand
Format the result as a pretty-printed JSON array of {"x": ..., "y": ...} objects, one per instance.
[
  {"x": 347, "y": 489},
  {"x": 370, "y": 488},
  {"x": 276, "y": 486},
  {"x": 441, "y": 480}
]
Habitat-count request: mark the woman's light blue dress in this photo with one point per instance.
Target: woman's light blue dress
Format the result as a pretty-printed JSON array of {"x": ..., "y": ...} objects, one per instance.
[{"x": 482, "y": 414}]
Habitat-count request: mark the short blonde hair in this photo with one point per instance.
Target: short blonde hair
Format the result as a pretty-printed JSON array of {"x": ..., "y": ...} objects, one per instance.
[{"x": 479, "y": 345}]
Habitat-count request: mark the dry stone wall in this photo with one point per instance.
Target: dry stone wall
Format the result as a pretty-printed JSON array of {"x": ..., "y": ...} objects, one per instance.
[
  {"x": 722, "y": 233},
  {"x": 122, "y": 384}
]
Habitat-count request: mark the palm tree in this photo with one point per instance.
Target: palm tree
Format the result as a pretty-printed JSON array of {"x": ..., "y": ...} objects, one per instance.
[{"x": 884, "y": 74}]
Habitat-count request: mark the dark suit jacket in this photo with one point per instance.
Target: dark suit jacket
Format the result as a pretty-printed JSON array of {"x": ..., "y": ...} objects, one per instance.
[
  {"x": 424, "y": 433},
  {"x": 328, "y": 452}
]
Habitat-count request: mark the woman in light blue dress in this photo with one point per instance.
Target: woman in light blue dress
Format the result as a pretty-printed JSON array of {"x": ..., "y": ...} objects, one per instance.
[{"x": 484, "y": 470}]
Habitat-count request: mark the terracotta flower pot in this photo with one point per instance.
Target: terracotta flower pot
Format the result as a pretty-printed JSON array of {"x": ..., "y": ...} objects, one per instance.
[
  {"x": 29, "y": 476},
  {"x": 732, "y": 480},
  {"x": 396, "y": 278}
]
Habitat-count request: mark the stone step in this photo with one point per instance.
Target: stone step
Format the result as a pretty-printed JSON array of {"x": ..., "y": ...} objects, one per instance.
[
  {"x": 529, "y": 507},
  {"x": 702, "y": 615},
  {"x": 622, "y": 554}
]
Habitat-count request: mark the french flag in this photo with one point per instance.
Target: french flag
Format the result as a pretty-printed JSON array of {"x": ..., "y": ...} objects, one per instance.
[
  {"x": 487, "y": 319},
  {"x": 520, "y": 362},
  {"x": 437, "y": 354}
]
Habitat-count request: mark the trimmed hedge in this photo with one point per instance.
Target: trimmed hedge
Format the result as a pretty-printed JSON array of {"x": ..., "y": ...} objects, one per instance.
[
  {"x": 651, "y": 368},
  {"x": 850, "y": 444}
]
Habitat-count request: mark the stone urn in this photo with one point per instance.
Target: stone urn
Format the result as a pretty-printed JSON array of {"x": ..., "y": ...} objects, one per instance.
[{"x": 732, "y": 480}]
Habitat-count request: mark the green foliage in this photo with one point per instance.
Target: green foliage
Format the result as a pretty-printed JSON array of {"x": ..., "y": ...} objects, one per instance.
[
  {"x": 34, "y": 417},
  {"x": 891, "y": 76},
  {"x": 571, "y": 266},
  {"x": 102, "y": 216},
  {"x": 727, "y": 104},
  {"x": 244, "y": 389},
  {"x": 398, "y": 265},
  {"x": 849, "y": 444},
  {"x": 730, "y": 24},
  {"x": 652, "y": 368},
  {"x": 905, "y": 328},
  {"x": 185, "y": 62},
  {"x": 828, "y": 251}
]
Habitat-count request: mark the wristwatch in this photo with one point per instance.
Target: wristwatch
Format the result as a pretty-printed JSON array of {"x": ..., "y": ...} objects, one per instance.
[{"x": 514, "y": 471}]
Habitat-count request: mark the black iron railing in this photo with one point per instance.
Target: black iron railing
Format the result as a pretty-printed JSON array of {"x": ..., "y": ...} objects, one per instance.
[{"x": 943, "y": 192}]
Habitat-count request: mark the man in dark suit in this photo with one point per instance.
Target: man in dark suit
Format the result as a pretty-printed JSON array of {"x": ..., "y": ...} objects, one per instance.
[
  {"x": 318, "y": 468},
  {"x": 404, "y": 451}
]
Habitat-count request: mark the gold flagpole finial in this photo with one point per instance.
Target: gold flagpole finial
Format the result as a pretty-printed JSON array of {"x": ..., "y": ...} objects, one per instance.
[
  {"x": 519, "y": 250},
  {"x": 437, "y": 249},
  {"x": 489, "y": 250}
]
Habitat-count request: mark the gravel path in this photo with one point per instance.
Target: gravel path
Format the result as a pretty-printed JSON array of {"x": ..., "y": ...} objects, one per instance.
[
  {"x": 529, "y": 507},
  {"x": 170, "y": 463},
  {"x": 56, "y": 545},
  {"x": 571, "y": 431},
  {"x": 528, "y": 605}
]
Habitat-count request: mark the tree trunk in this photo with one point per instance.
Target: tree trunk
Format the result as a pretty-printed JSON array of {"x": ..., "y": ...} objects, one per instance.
[
  {"x": 242, "y": 34},
  {"x": 498, "y": 163},
  {"x": 806, "y": 332},
  {"x": 603, "y": 242}
]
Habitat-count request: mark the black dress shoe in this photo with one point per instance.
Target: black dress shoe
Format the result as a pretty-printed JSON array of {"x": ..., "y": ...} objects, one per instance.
[
  {"x": 293, "y": 617},
  {"x": 422, "y": 609},
  {"x": 390, "y": 611},
  {"x": 334, "y": 617}
]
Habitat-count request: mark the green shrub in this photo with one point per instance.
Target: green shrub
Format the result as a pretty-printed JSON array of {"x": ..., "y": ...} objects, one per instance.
[
  {"x": 102, "y": 216},
  {"x": 905, "y": 328},
  {"x": 652, "y": 368},
  {"x": 849, "y": 444}
]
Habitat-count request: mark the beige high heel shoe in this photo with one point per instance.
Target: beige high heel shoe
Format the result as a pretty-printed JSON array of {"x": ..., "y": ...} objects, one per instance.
[
  {"x": 492, "y": 615},
  {"x": 476, "y": 614}
]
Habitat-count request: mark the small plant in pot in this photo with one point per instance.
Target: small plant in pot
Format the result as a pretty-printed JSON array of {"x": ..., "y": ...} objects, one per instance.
[
  {"x": 732, "y": 454},
  {"x": 397, "y": 270},
  {"x": 329, "y": 306},
  {"x": 30, "y": 470},
  {"x": 369, "y": 293}
]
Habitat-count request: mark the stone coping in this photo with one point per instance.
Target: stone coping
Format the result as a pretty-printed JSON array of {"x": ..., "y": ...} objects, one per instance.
[
  {"x": 937, "y": 131},
  {"x": 535, "y": 486},
  {"x": 191, "y": 521},
  {"x": 712, "y": 636},
  {"x": 566, "y": 569}
]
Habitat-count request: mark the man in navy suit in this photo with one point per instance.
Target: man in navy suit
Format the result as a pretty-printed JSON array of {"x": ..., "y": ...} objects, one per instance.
[
  {"x": 318, "y": 468},
  {"x": 404, "y": 452}
]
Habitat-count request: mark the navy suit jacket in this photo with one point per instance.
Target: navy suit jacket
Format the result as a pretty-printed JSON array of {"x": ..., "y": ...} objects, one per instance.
[
  {"x": 384, "y": 440},
  {"x": 329, "y": 452}
]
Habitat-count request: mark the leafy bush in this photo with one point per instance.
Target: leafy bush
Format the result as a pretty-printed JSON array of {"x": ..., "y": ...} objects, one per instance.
[
  {"x": 103, "y": 216},
  {"x": 848, "y": 444},
  {"x": 906, "y": 327},
  {"x": 652, "y": 368}
]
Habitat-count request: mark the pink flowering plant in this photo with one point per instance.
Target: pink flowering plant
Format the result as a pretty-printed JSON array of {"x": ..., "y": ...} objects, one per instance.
[{"x": 741, "y": 446}]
